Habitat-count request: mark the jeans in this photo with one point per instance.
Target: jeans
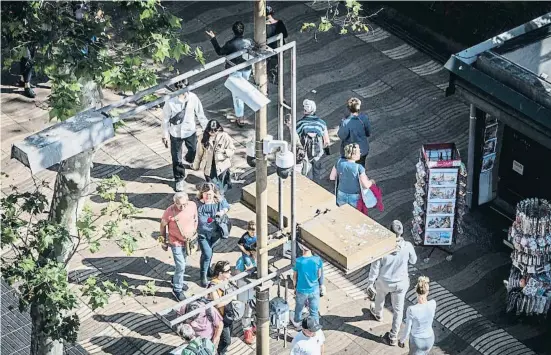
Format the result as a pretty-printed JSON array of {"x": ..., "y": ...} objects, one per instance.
[
  {"x": 238, "y": 104},
  {"x": 178, "y": 168},
  {"x": 225, "y": 338},
  {"x": 420, "y": 346},
  {"x": 179, "y": 255},
  {"x": 397, "y": 292},
  {"x": 351, "y": 199},
  {"x": 206, "y": 243},
  {"x": 314, "y": 173},
  {"x": 313, "y": 302}
]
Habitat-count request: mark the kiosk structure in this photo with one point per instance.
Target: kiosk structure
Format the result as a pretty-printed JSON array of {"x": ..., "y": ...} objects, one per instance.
[{"x": 439, "y": 203}]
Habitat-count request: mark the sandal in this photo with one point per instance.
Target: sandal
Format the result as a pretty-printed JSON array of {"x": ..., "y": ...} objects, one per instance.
[
  {"x": 231, "y": 118},
  {"x": 241, "y": 122}
]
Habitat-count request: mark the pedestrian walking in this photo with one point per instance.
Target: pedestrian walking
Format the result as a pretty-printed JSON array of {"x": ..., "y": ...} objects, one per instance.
[
  {"x": 222, "y": 272},
  {"x": 350, "y": 178},
  {"x": 207, "y": 324},
  {"x": 196, "y": 344},
  {"x": 419, "y": 320},
  {"x": 310, "y": 340},
  {"x": 179, "y": 128},
  {"x": 26, "y": 64},
  {"x": 237, "y": 43},
  {"x": 390, "y": 275},
  {"x": 214, "y": 153},
  {"x": 273, "y": 28},
  {"x": 355, "y": 128},
  {"x": 210, "y": 205},
  {"x": 306, "y": 278},
  {"x": 180, "y": 219},
  {"x": 313, "y": 137}
]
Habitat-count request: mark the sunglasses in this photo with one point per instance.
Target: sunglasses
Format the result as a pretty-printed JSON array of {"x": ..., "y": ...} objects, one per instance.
[{"x": 225, "y": 271}]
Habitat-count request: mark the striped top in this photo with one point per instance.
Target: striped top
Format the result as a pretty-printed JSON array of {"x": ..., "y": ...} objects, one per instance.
[{"x": 311, "y": 124}]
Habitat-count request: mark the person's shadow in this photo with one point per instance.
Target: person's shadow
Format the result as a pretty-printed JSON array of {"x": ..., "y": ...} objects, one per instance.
[{"x": 338, "y": 323}]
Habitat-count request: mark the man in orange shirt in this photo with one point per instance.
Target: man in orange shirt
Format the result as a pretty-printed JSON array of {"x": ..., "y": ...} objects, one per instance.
[{"x": 181, "y": 220}]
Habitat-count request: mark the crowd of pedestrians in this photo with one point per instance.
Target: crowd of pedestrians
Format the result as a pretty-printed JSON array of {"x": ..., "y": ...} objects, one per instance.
[{"x": 186, "y": 224}]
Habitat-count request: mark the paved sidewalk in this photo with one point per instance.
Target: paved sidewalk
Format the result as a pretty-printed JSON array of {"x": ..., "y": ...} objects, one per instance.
[{"x": 401, "y": 90}]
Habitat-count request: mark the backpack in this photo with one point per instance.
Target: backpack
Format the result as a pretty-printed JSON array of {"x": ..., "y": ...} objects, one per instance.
[
  {"x": 198, "y": 349},
  {"x": 234, "y": 310},
  {"x": 310, "y": 145}
]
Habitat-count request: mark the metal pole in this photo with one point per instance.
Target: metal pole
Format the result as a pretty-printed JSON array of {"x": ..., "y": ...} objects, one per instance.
[
  {"x": 293, "y": 149},
  {"x": 280, "y": 96},
  {"x": 470, "y": 155},
  {"x": 261, "y": 130}
]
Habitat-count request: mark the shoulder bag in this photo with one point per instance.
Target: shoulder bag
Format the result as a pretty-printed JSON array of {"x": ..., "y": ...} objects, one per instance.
[{"x": 368, "y": 197}]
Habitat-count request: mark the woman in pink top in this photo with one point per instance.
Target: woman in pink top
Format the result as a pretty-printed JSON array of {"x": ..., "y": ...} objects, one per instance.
[{"x": 181, "y": 220}]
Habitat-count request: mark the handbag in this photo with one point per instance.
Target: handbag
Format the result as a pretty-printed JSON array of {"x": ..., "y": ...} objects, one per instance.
[
  {"x": 223, "y": 223},
  {"x": 368, "y": 197},
  {"x": 191, "y": 244}
]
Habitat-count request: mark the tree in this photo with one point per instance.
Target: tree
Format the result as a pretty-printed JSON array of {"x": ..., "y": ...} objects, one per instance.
[
  {"x": 33, "y": 268},
  {"x": 346, "y": 16},
  {"x": 107, "y": 43}
]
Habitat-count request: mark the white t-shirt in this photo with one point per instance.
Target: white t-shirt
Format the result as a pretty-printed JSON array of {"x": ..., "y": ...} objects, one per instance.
[
  {"x": 419, "y": 320},
  {"x": 303, "y": 345}
]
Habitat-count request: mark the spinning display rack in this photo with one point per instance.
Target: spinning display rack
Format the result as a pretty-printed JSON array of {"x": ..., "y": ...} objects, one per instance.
[
  {"x": 439, "y": 203},
  {"x": 529, "y": 284}
]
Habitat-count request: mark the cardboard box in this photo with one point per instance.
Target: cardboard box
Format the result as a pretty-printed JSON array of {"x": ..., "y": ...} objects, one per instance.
[
  {"x": 348, "y": 238},
  {"x": 310, "y": 197}
]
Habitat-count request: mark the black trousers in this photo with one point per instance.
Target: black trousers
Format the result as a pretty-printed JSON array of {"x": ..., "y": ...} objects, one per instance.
[
  {"x": 225, "y": 338},
  {"x": 362, "y": 160},
  {"x": 178, "y": 169}
]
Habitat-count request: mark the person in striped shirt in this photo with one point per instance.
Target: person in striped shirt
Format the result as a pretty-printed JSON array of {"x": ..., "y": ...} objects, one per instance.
[{"x": 313, "y": 136}]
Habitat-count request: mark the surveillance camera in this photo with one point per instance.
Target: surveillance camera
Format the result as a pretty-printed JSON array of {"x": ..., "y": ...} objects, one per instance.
[
  {"x": 285, "y": 161},
  {"x": 251, "y": 161}
]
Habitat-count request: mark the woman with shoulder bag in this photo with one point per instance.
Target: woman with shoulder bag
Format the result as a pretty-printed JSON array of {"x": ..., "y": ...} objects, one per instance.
[
  {"x": 222, "y": 272},
  {"x": 350, "y": 177},
  {"x": 181, "y": 221},
  {"x": 210, "y": 206},
  {"x": 214, "y": 153}
]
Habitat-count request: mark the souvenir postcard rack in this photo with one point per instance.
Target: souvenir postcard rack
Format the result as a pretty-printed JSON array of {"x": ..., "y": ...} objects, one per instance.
[
  {"x": 529, "y": 284},
  {"x": 439, "y": 203}
]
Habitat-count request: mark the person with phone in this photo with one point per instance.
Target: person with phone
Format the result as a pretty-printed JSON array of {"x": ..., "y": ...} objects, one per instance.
[{"x": 179, "y": 128}]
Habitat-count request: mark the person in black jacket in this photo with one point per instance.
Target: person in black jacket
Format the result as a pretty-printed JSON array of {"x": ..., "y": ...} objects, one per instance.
[
  {"x": 355, "y": 128},
  {"x": 273, "y": 28},
  {"x": 237, "y": 43}
]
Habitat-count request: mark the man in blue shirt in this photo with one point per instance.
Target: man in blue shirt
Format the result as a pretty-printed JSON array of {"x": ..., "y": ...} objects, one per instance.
[{"x": 307, "y": 273}]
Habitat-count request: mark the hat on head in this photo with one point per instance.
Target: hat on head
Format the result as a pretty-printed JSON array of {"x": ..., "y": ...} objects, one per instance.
[
  {"x": 309, "y": 106},
  {"x": 269, "y": 10},
  {"x": 310, "y": 323},
  {"x": 397, "y": 227}
]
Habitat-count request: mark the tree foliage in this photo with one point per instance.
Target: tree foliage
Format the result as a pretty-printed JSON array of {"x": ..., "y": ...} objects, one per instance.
[
  {"x": 40, "y": 279},
  {"x": 116, "y": 44},
  {"x": 345, "y": 16}
]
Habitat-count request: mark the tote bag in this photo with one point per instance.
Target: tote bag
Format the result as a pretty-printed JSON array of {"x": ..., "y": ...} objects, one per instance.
[{"x": 368, "y": 197}]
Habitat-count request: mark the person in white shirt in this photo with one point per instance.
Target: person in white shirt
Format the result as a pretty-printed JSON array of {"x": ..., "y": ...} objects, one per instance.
[
  {"x": 419, "y": 320},
  {"x": 310, "y": 341},
  {"x": 390, "y": 275},
  {"x": 179, "y": 128}
]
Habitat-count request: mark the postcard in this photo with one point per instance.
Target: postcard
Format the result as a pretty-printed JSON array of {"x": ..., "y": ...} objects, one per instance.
[
  {"x": 443, "y": 177},
  {"x": 488, "y": 162},
  {"x": 438, "y": 237},
  {"x": 489, "y": 147},
  {"x": 445, "y": 208},
  {"x": 490, "y": 133},
  {"x": 441, "y": 193},
  {"x": 439, "y": 222}
]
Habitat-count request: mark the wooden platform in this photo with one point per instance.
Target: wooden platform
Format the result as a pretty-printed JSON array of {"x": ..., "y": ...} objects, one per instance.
[
  {"x": 343, "y": 235},
  {"x": 348, "y": 237},
  {"x": 310, "y": 197}
]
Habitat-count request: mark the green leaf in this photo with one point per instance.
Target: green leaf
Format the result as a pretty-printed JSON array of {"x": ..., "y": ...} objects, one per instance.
[
  {"x": 146, "y": 14},
  {"x": 174, "y": 21},
  {"x": 343, "y": 31},
  {"x": 94, "y": 246},
  {"x": 307, "y": 26},
  {"x": 199, "y": 56}
]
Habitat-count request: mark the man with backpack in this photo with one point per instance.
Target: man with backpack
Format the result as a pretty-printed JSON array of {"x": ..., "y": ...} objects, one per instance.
[
  {"x": 196, "y": 345},
  {"x": 313, "y": 136},
  {"x": 208, "y": 324}
]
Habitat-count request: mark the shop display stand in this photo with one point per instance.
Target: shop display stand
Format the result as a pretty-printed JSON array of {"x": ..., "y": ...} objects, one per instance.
[
  {"x": 529, "y": 284},
  {"x": 439, "y": 203}
]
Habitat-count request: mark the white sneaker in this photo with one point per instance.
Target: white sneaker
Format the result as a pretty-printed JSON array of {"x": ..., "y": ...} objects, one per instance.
[
  {"x": 298, "y": 326},
  {"x": 180, "y": 185},
  {"x": 323, "y": 290}
]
